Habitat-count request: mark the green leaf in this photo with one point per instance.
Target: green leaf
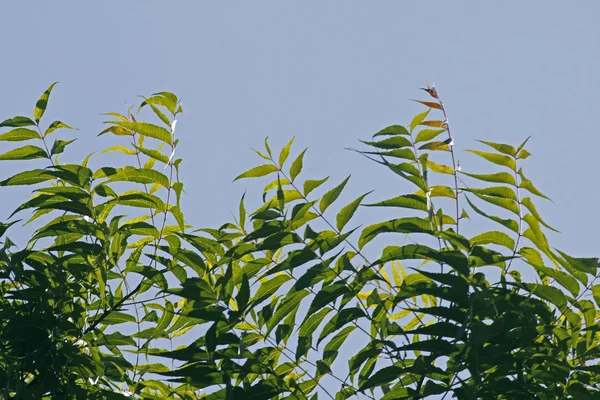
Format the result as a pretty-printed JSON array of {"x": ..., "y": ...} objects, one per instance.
[
  {"x": 339, "y": 320},
  {"x": 259, "y": 171},
  {"x": 395, "y": 142},
  {"x": 285, "y": 152},
  {"x": 117, "y": 317},
  {"x": 428, "y": 134},
  {"x": 165, "y": 99},
  {"x": 495, "y": 191},
  {"x": 28, "y": 152},
  {"x": 440, "y": 168},
  {"x": 500, "y": 177},
  {"x": 307, "y": 328},
  {"x": 288, "y": 305},
  {"x": 27, "y": 178},
  {"x": 115, "y": 339},
  {"x": 155, "y": 154},
  {"x": 392, "y": 130},
  {"x": 268, "y": 287},
  {"x": 407, "y": 201},
  {"x": 117, "y": 130},
  {"x": 407, "y": 154},
  {"x": 494, "y": 237},
  {"x": 16, "y": 122},
  {"x": 131, "y": 174},
  {"x": 120, "y": 149},
  {"x": 59, "y": 146},
  {"x": 400, "y": 225},
  {"x": 435, "y": 146},
  {"x": 549, "y": 293},
  {"x": 596, "y": 294},
  {"x": 330, "y": 351},
  {"x": 453, "y": 258},
  {"x": 502, "y": 148},
  {"x": 326, "y": 295},
  {"x": 311, "y": 185},
  {"x": 446, "y": 329},
  {"x": 19, "y": 134},
  {"x": 347, "y": 212},
  {"x": 137, "y": 198},
  {"x": 42, "y": 103},
  {"x": 331, "y": 196},
  {"x": 527, "y": 185},
  {"x": 507, "y": 204},
  {"x": 531, "y": 207},
  {"x": 146, "y": 129},
  {"x": 268, "y": 148},
  {"x": 296, "y": 167},
  {"x": 418, "y": 119},
  {"x": 56, "y": 125},
  {"x": 498, "y": 159}
]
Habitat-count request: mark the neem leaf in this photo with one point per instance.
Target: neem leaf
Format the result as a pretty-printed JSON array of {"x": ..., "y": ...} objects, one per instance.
[
  {"x": 331, "y": 196},
  {"x": 348, "y": 211},
  {"x": 259, "y": 171},
  {"x": 28, "y": 152},
  {"x": 19, "y": 134},
  {"x": 392, "y": 130},
  {"x": 285, "y": 153},
  {"x": 296, "y": 167},
  {"x": 42, "y": 103}
]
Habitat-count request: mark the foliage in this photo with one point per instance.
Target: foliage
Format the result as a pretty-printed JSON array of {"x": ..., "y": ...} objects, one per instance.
[{"x": 116, "y": 296}]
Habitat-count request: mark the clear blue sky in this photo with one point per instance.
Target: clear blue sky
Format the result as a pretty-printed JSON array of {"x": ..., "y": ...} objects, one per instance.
[{"x": 328, "y": 73}]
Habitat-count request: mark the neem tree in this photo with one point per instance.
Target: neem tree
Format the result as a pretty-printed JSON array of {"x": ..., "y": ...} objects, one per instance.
[{"x": 267, "y": 305}]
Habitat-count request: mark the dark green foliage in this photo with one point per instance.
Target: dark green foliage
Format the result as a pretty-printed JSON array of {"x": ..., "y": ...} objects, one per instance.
[{"x": 283, "y": 302}]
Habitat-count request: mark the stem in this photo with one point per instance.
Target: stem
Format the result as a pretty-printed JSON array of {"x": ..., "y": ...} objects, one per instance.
[{"x": 455, "y": 173}]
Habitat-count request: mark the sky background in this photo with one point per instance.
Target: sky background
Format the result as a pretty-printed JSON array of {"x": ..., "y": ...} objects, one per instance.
[{"x": 328, "y": 73}]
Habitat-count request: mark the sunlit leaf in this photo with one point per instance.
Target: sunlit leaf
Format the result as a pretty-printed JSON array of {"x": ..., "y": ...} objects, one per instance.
[
  {"x": 28, "y": 152},
  {"x": 285, "y": 153},
  {"x": 347, "y": 212},
  {"x": 498, "y": 159},
  {"x": 418, "y": 119},
  {"x": 146, "y": 129},
  {"x": 331, "y": 196},
  {"x": 19, "y": 134},
  {"x": 502, "y": 148},
  {"x": 296, "y": 167},
  {"x": 392, "y": 130},
  {"x": 42, "y": 103}
]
